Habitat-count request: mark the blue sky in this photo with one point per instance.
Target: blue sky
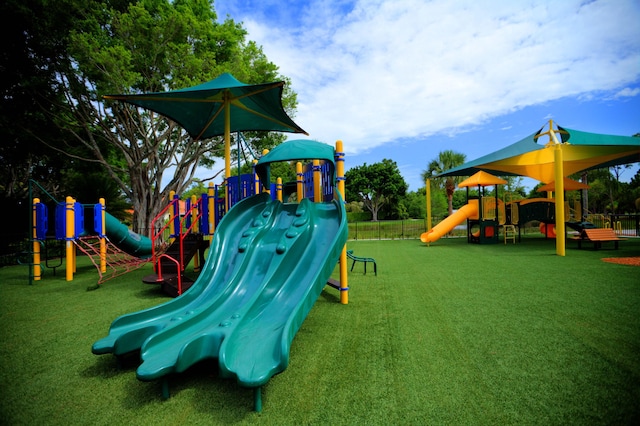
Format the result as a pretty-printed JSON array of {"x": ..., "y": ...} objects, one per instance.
[{"x": 407, "y": 79}]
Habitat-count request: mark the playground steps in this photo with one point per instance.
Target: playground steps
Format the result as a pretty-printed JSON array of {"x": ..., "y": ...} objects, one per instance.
[
  {"x": 191, "y": 244},
  {"x": 169, "y": 283}
]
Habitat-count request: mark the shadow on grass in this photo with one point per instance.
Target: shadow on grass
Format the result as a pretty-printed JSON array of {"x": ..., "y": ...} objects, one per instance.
[
  {"x": 201, "y": 388},
  {"x": 151, "y": 291},
  {"x": 107, "y": 366},
  {"x": 330, "y": 295}
]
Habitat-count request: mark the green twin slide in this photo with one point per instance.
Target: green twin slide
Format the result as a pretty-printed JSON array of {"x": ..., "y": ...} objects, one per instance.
[{"x": 267, "y": 264}]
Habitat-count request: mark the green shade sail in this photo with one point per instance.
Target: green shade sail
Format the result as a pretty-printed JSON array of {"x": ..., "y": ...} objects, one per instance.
[{"x": 200, "y": 109}]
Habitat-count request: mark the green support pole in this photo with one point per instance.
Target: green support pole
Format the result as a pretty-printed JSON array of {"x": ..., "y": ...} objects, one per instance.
[
  {"x": 165, "y": 388},
  {"x": 257, "y": 399}
]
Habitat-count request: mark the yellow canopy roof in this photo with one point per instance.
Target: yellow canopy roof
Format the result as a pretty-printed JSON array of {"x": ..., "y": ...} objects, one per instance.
[
  {"x": 533, "y": 158},
  {"x": 569, "y": 185},
  {"x": 482, "y": 179}
]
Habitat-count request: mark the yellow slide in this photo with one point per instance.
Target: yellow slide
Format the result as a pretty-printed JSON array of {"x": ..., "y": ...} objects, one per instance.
[{"x": 466, "y": 211}]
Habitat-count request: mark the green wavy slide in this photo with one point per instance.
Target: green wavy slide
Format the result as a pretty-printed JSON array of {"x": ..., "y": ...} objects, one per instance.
[{"x": 268, "y": 263}]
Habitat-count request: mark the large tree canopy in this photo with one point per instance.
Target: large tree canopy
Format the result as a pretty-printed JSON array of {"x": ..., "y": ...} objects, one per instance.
[
  {"x": 375, "y": 185},
  {"x": 115, "y": 46}
]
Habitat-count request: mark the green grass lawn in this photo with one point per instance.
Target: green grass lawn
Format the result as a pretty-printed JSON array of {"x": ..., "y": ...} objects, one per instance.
[{"x": 450, "y": 333}]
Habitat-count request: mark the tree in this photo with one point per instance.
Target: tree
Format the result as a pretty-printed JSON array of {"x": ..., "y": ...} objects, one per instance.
[
  {"x": 446, "y": 160},
  {"x": 149, "y": 46},
  {"x": 375, "y": 185},
  {"x": 32, "y": 42},
  {"x": 513, "y": 190}
]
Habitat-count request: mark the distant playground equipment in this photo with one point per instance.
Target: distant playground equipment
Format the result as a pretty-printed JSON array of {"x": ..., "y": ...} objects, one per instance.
[
  {"x": 267, "y": 264},
  {"x": 565, "y": 152},
  {"x": 484, "y": 214},
  {"x": 111, "y": 246}
]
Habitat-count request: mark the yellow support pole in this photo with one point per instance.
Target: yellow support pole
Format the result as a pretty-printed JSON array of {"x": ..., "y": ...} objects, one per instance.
[
  {"x": 227, "y": 149},
  {"x": 103, "y": 231},
  {"x": 211, "y": 192},
  {"x": 559, "y": 187},
  {"x": 172, "y": 228},
  {"x": 560, "y": 242},
  {"x": 69, "y": 235},
  {"x": 344, "y": 280},
  {"x": 279, "y": 189},
  {"x": 317, "y": 182},
  {"x": 256, "y": 179},
  {"x": 428, "y": 193},
  {"x": 267, "y": 188},
  {"x": 195, "y": 226},
  {"x": 559, "y": 190},
  {"x": 299, "y": 182},
  {"x": 37, "y": 268},
  {"x": 194, "y": 212}
]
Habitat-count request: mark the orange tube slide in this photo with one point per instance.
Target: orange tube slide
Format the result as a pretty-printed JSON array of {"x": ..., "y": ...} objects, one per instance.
[{"x": 449, "y": 223}]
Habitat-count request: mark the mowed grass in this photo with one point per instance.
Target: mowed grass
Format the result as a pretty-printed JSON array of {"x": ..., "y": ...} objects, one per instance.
[{"x": 451, "y": 333}]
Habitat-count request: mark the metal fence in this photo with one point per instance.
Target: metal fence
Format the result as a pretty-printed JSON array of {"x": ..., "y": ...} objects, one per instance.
[
  {"x": 409, "y": 229},
  {"x": 627, "y": 225}
]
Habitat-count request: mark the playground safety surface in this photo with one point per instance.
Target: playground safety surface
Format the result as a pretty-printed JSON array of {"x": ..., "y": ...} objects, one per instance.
[{"x": 633, "y": 261}]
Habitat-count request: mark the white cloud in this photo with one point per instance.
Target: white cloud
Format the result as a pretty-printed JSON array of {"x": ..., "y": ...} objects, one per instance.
[
  {"x": 390, "y": 69},
  {"x": 627, "y": 92}
]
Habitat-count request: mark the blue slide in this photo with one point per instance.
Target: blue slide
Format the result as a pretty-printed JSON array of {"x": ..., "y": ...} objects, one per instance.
[{"x": 268, "y": 263}]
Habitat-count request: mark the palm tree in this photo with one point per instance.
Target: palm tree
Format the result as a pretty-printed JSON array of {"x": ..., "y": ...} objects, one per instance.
[{"x": 446, "y": 160}]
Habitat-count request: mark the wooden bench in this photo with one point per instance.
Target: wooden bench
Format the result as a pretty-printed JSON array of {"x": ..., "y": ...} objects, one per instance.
[
  {"x": 365, "y": 260},
  {"x": 597, "y": 236}
]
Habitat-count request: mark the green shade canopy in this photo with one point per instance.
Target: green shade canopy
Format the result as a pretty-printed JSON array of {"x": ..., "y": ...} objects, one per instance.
[
  {"x": 528, "y": 157},
  {"x": 200, "y": 109}
]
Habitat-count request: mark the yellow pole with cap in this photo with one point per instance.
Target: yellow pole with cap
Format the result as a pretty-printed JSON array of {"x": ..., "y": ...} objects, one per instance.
[
  {"x": 344, "y": 281},
  {"x": 172, "y": 215},
  {"x": 299, "y": 182},
  {"x": 267, "y": 187},
  {"x": 195, "y": 227},
  {"x": 279, "y": 189},
  {"x": 37, "y": 268},
  {"x": 317, "y": 182},
  {"x": 256, "y": 179},
  {"x": 103, "y": 231},
  {"x": 558, "y": 161},
  {"x": 227, "y": 149},
  {"x": 212, "y": 214},
  {"x": 69, "y": 235},
  {"x": 428, "y": 196},
  {"x": 559, "y": 193}
]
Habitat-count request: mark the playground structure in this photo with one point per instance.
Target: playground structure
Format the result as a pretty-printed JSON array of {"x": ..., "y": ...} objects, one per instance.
[
  {"x": 267, "y": 264},
  {"x": 566, "y": 152},
  {"x": 182, "y": 230},
  {"x": 485, "y": 216},
  {"x": 111, "y": 246}
]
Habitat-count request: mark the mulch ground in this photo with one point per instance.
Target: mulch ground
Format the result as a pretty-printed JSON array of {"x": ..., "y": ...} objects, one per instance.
[{"x": 633, "y": 261}]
